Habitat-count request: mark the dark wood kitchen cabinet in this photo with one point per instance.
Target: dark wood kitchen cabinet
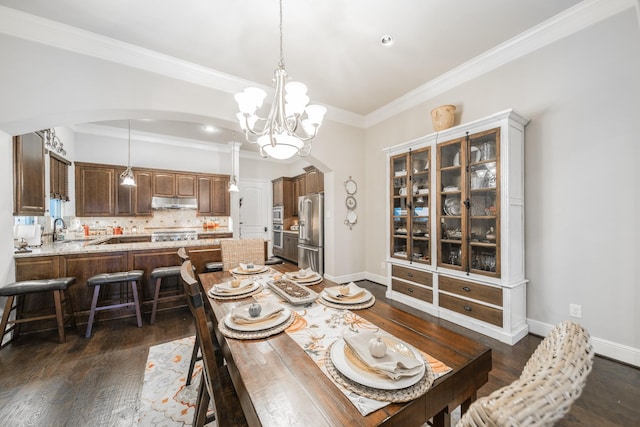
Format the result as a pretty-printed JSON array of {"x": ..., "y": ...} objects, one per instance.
[
  {"x": 28, "y": 175},
  {"x": 314, "y": 180},
  {"x": 134, "y": 201},
  {"x": 290, "y": 244},
  {"x": 168, "y": 184},
  {"x": 299, "y": 189},
  {"x": 283, "y": 195},
  {"x": 95, "y": 189},
  {"x": 213, "y": 195}
]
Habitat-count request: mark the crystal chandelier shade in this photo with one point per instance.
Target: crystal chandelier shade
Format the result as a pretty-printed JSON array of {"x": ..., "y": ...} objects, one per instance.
[{"x": 291, "y": 123}]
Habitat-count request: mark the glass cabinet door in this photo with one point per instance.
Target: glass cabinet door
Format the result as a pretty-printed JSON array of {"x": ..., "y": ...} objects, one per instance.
[
  {"x": 468, "y": 210},
  {"x": 450, "y": 197},
  {"x": 410, "y": 230},
  {"x": 420, "y": 233},
  {"x": 400, "y": 206},
  {"x": 484, "y": 209}
]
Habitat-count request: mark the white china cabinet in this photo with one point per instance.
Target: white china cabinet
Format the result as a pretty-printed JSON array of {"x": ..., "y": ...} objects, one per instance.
[{"x": 456, "y": 225}]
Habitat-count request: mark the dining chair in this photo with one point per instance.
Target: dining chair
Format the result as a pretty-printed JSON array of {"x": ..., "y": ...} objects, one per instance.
[
  {"x": 216, "y": 385},
  {"x": 551, "y": 380},
  {"x": 235, "y": 251}
]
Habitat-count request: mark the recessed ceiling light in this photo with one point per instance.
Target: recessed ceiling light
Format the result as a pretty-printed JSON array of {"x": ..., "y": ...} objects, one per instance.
[
  {"x": 386, "y": 40},
  {"x": 209, "y": 129}
]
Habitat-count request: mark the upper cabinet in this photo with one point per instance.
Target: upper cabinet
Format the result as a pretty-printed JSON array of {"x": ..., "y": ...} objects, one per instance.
[
  {"x": 410, "y": 227},
  {"x": 299, "y": 189},
  {"x": 99, "y": 193},
  {"x": 29, "y": 175},
  {"x": 168, "y": 184},
  {"x": 134, "y": 201},
  {"x": 469, "y": 214},
  {"x": 314, "y": 180},
  {"x": 95, "y": 189}
]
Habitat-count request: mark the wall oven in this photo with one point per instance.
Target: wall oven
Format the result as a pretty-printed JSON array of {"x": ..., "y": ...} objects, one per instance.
[
  {"x": 278, "y": 214},
  {"x": 277, "y": 236}
]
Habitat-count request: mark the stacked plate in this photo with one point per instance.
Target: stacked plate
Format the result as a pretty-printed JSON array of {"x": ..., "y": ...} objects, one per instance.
[
  {"x": 248, "y": 269},
  {"x": 349, "y": 364},
  {"x": 347, "y": 295},
  {"x": 227, "y": 289},
  {"x": 304, "y": 277},
  {"x": 272, "y": 315}
]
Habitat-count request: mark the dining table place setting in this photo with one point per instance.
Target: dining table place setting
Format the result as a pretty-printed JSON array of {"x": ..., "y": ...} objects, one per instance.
[
  {"x": 249, "y": 269},
  {"x": 304, "y": 277},
  {"x": 256, "y": 320},
  {"x": 235, "y": 289},
  {"x": 347, "y": 296}
]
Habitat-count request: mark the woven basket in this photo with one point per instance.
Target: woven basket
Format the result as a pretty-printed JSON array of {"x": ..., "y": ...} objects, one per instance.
[{"x": 551, "y": 381}]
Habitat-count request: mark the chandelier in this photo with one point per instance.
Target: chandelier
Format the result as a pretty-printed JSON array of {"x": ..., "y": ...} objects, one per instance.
[
  {"x": 287, "y": 130},
  {"x": 126, "y": 177}
]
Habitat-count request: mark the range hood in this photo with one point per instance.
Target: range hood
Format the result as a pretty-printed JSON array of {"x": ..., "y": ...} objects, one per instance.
[{"x": 174, "y": 203}]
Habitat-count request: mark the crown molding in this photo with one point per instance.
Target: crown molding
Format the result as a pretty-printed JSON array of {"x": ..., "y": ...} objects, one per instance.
[
  {"x": 61, "y": 36},
  {"x": 574, "y": 19},
  {"x": 41, "y": 30}
]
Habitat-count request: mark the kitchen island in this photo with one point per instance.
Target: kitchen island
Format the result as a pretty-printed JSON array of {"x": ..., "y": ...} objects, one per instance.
[{"x": 86, "y": 258}]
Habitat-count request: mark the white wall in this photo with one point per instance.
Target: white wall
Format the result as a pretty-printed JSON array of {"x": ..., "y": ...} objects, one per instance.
[{"x": 582, "y": 95}]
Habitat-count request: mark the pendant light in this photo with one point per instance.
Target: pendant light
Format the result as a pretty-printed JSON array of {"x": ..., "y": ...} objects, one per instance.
[
  {"x": 126, "y": 177},
  {"x": 233, "y": 180}
]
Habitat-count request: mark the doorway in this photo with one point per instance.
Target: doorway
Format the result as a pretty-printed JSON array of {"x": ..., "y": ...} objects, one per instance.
[{"x": 255, "y": 210}]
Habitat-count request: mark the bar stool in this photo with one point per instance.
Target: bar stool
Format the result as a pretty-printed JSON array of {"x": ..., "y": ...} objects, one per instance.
[
  {"x": 133, "y": 277},
  {"x": 213, "y": 266},
  {"x": 59, "y": 287},
  {"x": 158, "y": 274}
]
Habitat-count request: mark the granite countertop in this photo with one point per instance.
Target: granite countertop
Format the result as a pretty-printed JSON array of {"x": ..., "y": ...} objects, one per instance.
[{"x": 98, "y": 244}]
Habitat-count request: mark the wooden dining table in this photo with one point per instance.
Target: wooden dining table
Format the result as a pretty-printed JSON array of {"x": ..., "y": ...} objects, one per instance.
[{"x": 280, "y": 385}]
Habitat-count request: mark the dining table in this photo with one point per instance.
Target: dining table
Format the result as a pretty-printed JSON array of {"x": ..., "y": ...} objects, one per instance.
[{"x": 282, "y": 382}]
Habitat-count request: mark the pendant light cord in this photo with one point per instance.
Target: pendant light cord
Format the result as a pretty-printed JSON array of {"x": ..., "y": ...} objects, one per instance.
[
  {"x": 281, "y": 63},
  {"x": 129, "y": 147}
]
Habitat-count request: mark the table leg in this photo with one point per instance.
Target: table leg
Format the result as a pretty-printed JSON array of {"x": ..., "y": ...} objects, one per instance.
[{"x": 442, "y": 419}]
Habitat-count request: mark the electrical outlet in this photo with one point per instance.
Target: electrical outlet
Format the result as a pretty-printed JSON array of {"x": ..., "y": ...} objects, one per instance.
[{"x": 575, "y": 310}]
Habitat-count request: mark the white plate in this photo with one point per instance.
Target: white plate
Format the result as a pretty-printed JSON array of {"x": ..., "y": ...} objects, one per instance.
[
  {"x": 452, "y": 206},
  {"x": 271, "y": 323},
  {"x": 251, "y": 288},
  {"x": 476, "y": 155},
  {"x": 368, "y": 377},
  {"x": 239, "y": 270},
  {"x": 366, "y": 296}
]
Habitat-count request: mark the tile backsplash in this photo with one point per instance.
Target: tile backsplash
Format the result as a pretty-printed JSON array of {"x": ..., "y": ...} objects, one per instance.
[{"x": 161, "y": 219}]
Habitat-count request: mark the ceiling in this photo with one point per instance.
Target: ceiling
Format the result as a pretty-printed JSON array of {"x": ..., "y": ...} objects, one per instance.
[{"x": 333, "y": 46}]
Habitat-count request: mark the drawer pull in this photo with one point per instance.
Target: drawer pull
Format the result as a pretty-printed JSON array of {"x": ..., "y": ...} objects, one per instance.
[
  {"x": 410, "y": 290},
  {"x": 467, "y": 308},
  {"x": 466, "y": 289},
  {"x": 410, "y": 274}
]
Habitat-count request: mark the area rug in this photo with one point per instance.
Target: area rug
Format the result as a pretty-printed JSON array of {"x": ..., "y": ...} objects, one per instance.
[{"x": 166, "y": 400}]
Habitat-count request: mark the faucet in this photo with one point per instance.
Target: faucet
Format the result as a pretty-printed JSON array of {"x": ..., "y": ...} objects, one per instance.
[{"x": 55, "y": 223}]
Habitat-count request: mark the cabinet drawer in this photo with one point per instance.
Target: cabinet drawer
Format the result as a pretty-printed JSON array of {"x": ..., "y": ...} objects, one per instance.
[
  {"x": 417, "y": 276},
  {"x": 412, "y": 290},
  {"x": 471, "y": 309},
  {"x": 476, "y": 291}
]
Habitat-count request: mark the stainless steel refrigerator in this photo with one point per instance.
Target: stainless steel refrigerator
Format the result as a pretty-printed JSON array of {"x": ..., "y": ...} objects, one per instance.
[{"x": 311, "y": 232}]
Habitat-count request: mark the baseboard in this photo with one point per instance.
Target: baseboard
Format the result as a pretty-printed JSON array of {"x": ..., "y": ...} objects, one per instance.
[{"x": 612, "y": 350}]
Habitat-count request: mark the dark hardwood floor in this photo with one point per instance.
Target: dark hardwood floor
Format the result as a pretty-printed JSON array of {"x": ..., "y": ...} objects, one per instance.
[{"x": 97, "y": 381}]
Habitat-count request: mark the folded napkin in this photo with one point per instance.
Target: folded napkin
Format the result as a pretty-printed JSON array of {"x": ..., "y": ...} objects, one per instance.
[
  {"x": 355, "y": 291},
  {"x": 251, "y": 267},
  {"x": 270, "y": 310},
  {"x": 394, "y": 365},
  {"x": 226, "y": 288}
]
